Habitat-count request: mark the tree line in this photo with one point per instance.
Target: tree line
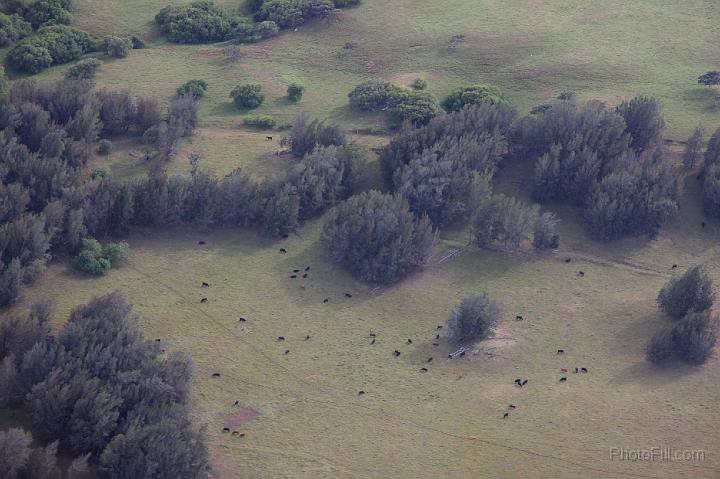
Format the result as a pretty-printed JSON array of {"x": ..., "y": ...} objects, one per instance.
[{"x": 100, "y": 392}]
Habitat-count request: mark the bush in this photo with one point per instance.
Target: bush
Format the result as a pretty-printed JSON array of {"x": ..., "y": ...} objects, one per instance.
[
  {"x": 83, "y": 70},
  {"x": 691, "y": 339},
  {"x": 12, "y": 29},
  {"x": 375, "y": 95},
  {"x": 295, "y": 92},
  {"x": 420, "y": 84},
  {"x": 644, "y": 120},
  {"x": 691, "y": 292},
  {"x": 52, "y": 45},
  {"x": 474, "y": 318},
  {"x": 196, "y": 88},
  {"x": 118, "y": 47},
  {"x": 49, "y": 12},
  {"x": 97, "y": 260},
  {"x": 260, "y": 121},
  {"x": 4, "y": 83},
  {"x": 305, "y": 135},
  {"x": 105, "y": 147},
  {"x": 376, "y": 237},
  {"x": 291, "y": 13},
  {"x": 416, "y": 107},
  {"x": 248, "y": 96},
  {"x": 267, "y": 29},
  {"x": 116, "y": 253},
  {"x": 710, "y": 78},
  {"x": 473, "y": 95},
  {"x": 137, "y": 42},
  {"x": 199, "y": 22}
]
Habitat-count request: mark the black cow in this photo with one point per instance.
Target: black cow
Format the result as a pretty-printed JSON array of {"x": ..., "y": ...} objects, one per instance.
[
  {"x": 216, "y": 375},
  {"x": 237, "y": 403},
  {"x": 423, "y": 370},
  {"x": 348, "y": 295},
  {"x": 439, "y": 327},
  {"x": 437, "y": 336},
  {"x": 561, "y": 351},
  {"x": 283, "y": 250},
  {"x": 293, "y": 276},
  {"x": 281, "y": 338},
  {"x": 307, "y": 337},
  {"x": 373, "y": 341},
  {"x": 204, "y": 300},
  {"x": 304, "y": 275},
  {"x": 702, "y": 224},
  {"x": 511, "y": 406},
  {"x": 429, "y": 360},
  {"x": 201, "y": 242},
  {"x": 360, "y": 393},
  {"x": 518, "y": 318},
  {"x": 567, "y": 260},
  {"x": 205, "y": 285},
  {"x": 226, "y": 429},
  {"x": 462, "y": 354},
  {"x": 268, "y": 138},
  {"x": 525, "y": 381},
  {"x": 396, "y": 353},
  {"x": 506, "y": 415},
  {"x": 372, "y": 335},
  {"x": 409, "y": 341},
  {"x": 326, "y": 300},
  {"x": 577, "y": 370},
  {"x": 674, "y": 266},
  {"x": 450, "y": 356},
  {"x": 517, "y": 381},
  {"x": 563, "y": 379},
  {"x": 583, "y": 370},
  {"x": 307, "y": 268},
  {"x": 242, "y": 320},
  {"x": 285, "y": 236},
  {"x": 296, "y": 271},
  {"x": 287, "y": 351},
  {"x": 158, "y": 340}
]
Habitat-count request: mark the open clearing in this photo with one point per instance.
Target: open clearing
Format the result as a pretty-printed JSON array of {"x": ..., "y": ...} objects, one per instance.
[{"x": 301, "y": 412}]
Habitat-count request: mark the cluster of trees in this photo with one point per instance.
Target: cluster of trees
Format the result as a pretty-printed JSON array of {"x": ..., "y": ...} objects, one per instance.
[
  {"x": 20, "y": 459},
  {"x": 376, "y": 237},
  {"x": 40, "y": 13},
  {"x": 97, "y": 259},
  {"x": 688, "y": 300},
  {"x": 47, "y": 134},
  {"x": 204, "y": 22},
  {"x": 476, "y": 317},
  {"x": 473, "y": 95},
  {"x": 99, "y": 391},
  {"x": 402, "y": 104},
  {"x": 609, "y": 161},
  {"x": 52, "y": 45},
  {"x": 13, "y": 28}
]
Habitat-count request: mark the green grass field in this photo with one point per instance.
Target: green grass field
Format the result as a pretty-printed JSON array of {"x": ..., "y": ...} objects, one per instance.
[{"x": 301, "y": 412}]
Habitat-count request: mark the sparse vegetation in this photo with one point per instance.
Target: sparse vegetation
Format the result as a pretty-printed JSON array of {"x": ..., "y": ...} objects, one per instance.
[{"x": 295, "y": 92}]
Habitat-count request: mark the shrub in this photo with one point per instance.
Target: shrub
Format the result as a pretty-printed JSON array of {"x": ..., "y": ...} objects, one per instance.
[
  {"x": 291, "y": 13},
  {"x": 376, "y": 237},
  {"x": 260, "y": 121},
  {"x": 420, "y": 84},
  {"x": 49, "y": 12},
  {"x": 105, "y": 147},
  {"x": 295, "y": 91},
  {"x": 90, "y": 259},
  {"x": 52, "y": 45},
  {"x": 416, "y": 107},
  {"x": 472, "y": 95},
  {"x": 118, "y": 47},
  {"x": 199, "y": 22},
  {"x": 83, "y": 70},
  {"x": 693, "y": 291},
  {"x": 305, "y": 135},
  {"x": 247, "y": 96},
  {"x": 12, "y": 29},
  {"x": 267, "y": 29},
  {"x": 709, "y": 78},
  {"x": 644, "y": 120},
  {"x": 280, "y": 216},
  {"x": 4, "y": 83},
  {"x": 691, "y": 339},
  {"x": 375, "y": 95},
  {"x": 137, "y": 42},
  {"x": 116, "y": 253},
  {"x": 474, "y": 318},
  {"x": 195, "y": 88}
]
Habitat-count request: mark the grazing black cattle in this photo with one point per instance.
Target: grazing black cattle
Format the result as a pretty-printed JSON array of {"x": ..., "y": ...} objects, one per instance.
[
  {"x": 304, "y": 275},
  {"x": 268, "y": 138},
  {"x": 201, "y": 242},
  {"x": 287, "y": 351},
  {"x": 423, "y": 370},
  {"x": 517, "y": 381},
  {"x": 506, "y": 415},
  {"x": 204, "y": 300},
  {"x": 567, "y": 260},
  {"x": 158, "y": 340},
  {"x": 360, "y": 393},
  {"x": 563, "y": 379},
  {"x": 674, "y": 266},
  {"x": 583, "y": 370},
  {"x": 525, "y": 381},
  {"x": 293, "y": 276},
  {"x": 372, "y": 335},
  {"x": 281, "y": 338},
  {"x": 283, "y": 250},
  {"x": 285, "y": 236},
  {"x": 242, "y": 320},
  {"x": 216, "y": 375},
  {"x": 702, "y": 224},
  {"x": 307, "y": 268},
  {"x": 518, "y": 318},
  {"x": 348, "y": 295},
  {"x": 296, "y": 271},
  {"x": 307, "y": 337},
  {"x": 409, "y": 341},
  {"x": 326, "y": 300},
  {"x": 581, "y": 273},
  {"x": 450, "y": 356},
  {"x": 373, "y": 341},
  {"x": 205, "y": 285},
  {"x": 429, "y": 360},
  {"x": 237, "y": 403},
  {"x": 561, "y": 351},
  {"x": 226, "y": 429},
  {"x": 511, "y": 406},
  {"x": 437, "y": 336},
  {"x": 577, "y": 370},
  {"x": 396, "y": 353},
  {"x": 439, "y": 327}
]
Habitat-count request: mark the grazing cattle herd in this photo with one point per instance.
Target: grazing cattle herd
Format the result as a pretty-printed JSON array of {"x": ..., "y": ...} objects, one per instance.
[{"x": 519, "y": 382}]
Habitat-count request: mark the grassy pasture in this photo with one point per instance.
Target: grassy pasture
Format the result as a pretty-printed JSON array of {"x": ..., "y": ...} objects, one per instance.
[{"x": 301, "y": 412}]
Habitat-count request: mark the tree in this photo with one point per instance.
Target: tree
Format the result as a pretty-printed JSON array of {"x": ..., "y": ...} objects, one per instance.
[
  {"x": 195, "y": 88},
  {"x": 693, "y": 291},
  {"x": 53, "y": 45},
  {"x": 295, "y": 92},
  {"x": 14, "y": 452},
  {"x": 90, "y": 259},
  {"x": 118, "y": 47},
  {"x": 691, "y": 339},
  {"x": 377, "y": 237},
  {"x": 474, "y": 318},
  {"x": 644, "y": 121},
  {"x": 84, "y": 69},
  {"x": 198, "y": 22},
  {"x": 375, "y": 95},
  {"x": 247, "y": 96},
  {"x": 4, "y": 83},
  {"x": 473, "y": 95},
  {"x": 712, "y": 152},
  {"x": 13, "y": 28},
  {"x": 710, "y": 78},
  {"x": 419, "y": 84},
  {"x": 693, "y": 148},
  {"x": 49, "y": 12},
  {"x": 305, "y": 135},
  {"x": 281, "y": 211},
  {"x": 417, "y": 107}
]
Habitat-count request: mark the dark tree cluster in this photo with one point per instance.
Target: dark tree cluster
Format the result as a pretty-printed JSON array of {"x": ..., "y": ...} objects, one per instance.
[
  {"x": 13, "y": 28},
  {"x": 439, "y": 168},
  {"x": 402, "y": 104},
  {"x": 47, "y": 134},
  {"x": 101, "y": 392},
  {"x": 21, "y": 459},
  {"x": 291, "y": 13},
  {"x": 52, "y": 45},
  {"x": 608, "y": 161},
  {"x": 473, "y": 95},
  {"x": 687, "y": 300},
  {"x": 198, "y": 22},
  {"x": 377, "y": 238},
  {"x": 96, "y": 259},
  {"x": 306, "y": 134},
  {"x": 40, "y": 13},
  {"x": 474, "y": 318}
]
